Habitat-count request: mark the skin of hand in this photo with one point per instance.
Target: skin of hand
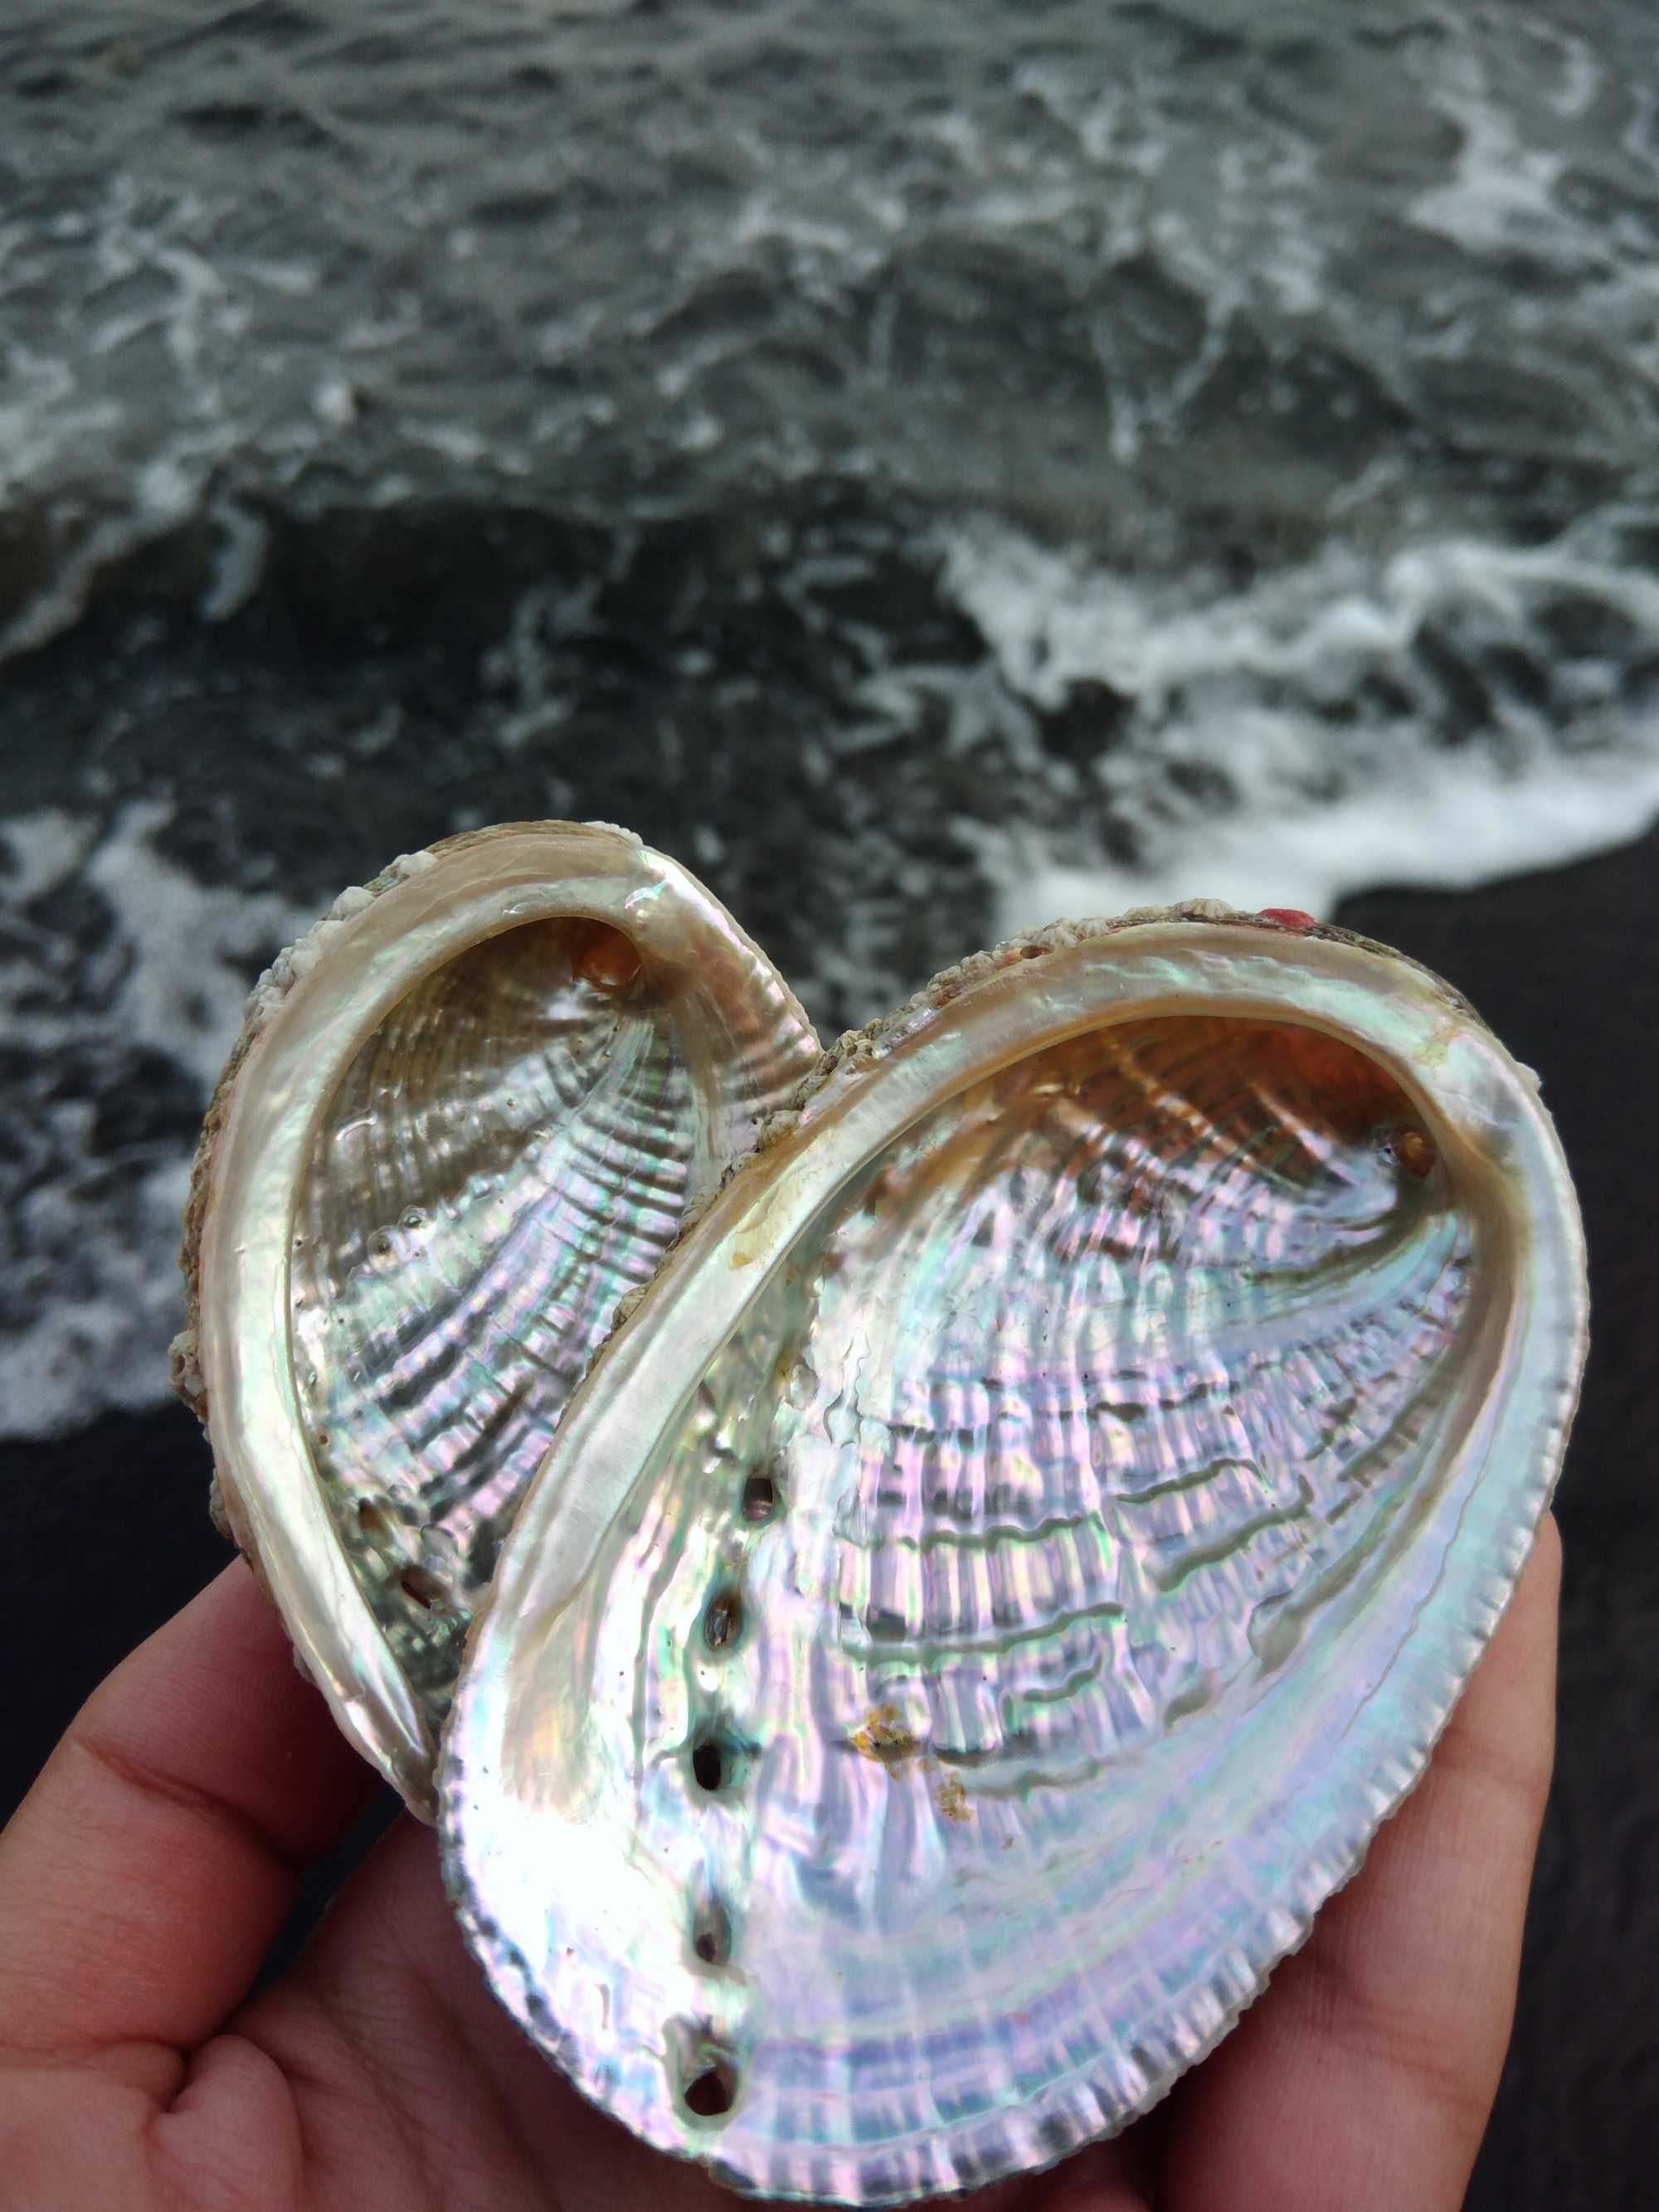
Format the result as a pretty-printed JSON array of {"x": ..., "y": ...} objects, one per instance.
[{"x": 146, "y": 1873}]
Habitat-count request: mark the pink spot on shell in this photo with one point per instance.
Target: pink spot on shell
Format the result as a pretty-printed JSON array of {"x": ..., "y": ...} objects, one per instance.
[{"x": 1287, "y": 917}]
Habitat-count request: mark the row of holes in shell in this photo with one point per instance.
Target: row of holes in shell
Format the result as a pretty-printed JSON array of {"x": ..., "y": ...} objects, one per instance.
[{"x": 710, "y": 2085}]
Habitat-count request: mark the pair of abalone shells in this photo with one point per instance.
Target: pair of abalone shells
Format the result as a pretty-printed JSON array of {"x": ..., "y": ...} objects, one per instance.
[{"x": 906, "y": 1575}]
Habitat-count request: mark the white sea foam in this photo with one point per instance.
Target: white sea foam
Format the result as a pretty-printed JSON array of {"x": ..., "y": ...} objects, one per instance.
[
  {"x": 100, "y": 1343},
  {"x": 1228, "y": 772},
  {"x": 94, "y": 1255},
  {"x": 1502, "y": 190},
  {"x": 1582, "y": 78},
  {"x": 1448, "y": 824},
  {"x": 191, "y": 1010},
  {"x": 240, "y": 543}
]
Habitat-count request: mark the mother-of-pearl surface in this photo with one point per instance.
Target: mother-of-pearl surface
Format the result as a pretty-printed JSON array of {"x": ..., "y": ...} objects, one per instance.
[{"x": 1032, "y": 1530}]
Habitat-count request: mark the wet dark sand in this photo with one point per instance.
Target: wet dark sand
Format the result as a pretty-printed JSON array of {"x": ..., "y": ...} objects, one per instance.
[{"x": 109, "y": 1533}]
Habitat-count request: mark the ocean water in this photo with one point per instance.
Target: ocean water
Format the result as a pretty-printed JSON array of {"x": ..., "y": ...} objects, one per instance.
[{"x": 931, "y": 466}]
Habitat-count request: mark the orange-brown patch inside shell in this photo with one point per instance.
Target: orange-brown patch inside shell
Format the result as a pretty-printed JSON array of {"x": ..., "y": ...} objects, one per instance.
[{"x": 607, "y": 958}]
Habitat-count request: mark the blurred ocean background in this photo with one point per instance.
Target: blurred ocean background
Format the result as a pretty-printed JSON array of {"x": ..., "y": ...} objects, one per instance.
[{"x": 931, "y": 466}]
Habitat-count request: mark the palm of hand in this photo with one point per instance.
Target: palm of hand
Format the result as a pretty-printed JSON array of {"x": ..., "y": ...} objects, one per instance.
[{"x": 143, "y": 1877}]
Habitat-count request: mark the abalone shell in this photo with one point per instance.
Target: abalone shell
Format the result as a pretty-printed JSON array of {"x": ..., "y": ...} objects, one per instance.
[
  {"x": 467, "y": 1117},
  {"x": 988, "y": 1593}
]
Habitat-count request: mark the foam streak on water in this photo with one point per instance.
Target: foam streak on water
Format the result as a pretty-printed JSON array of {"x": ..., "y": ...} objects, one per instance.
[{"x": 113, "y": 1037}]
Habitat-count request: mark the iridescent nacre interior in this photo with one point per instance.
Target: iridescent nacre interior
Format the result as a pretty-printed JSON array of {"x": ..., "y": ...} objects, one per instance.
[
  {"x": 1068, "y": 1411},
  {"x": 505, "y": 1159},
  {"x": 927, "y": 1643}
]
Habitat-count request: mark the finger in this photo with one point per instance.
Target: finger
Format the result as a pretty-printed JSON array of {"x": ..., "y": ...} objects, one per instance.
[
  {"x": 388, "y": 1994},
  {"x": 1364, "y": 2078},
  {"x": 147, "y": 1869}
]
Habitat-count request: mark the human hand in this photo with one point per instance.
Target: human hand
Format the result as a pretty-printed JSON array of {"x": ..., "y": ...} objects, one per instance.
[{"x": 148, "y": 1871}]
